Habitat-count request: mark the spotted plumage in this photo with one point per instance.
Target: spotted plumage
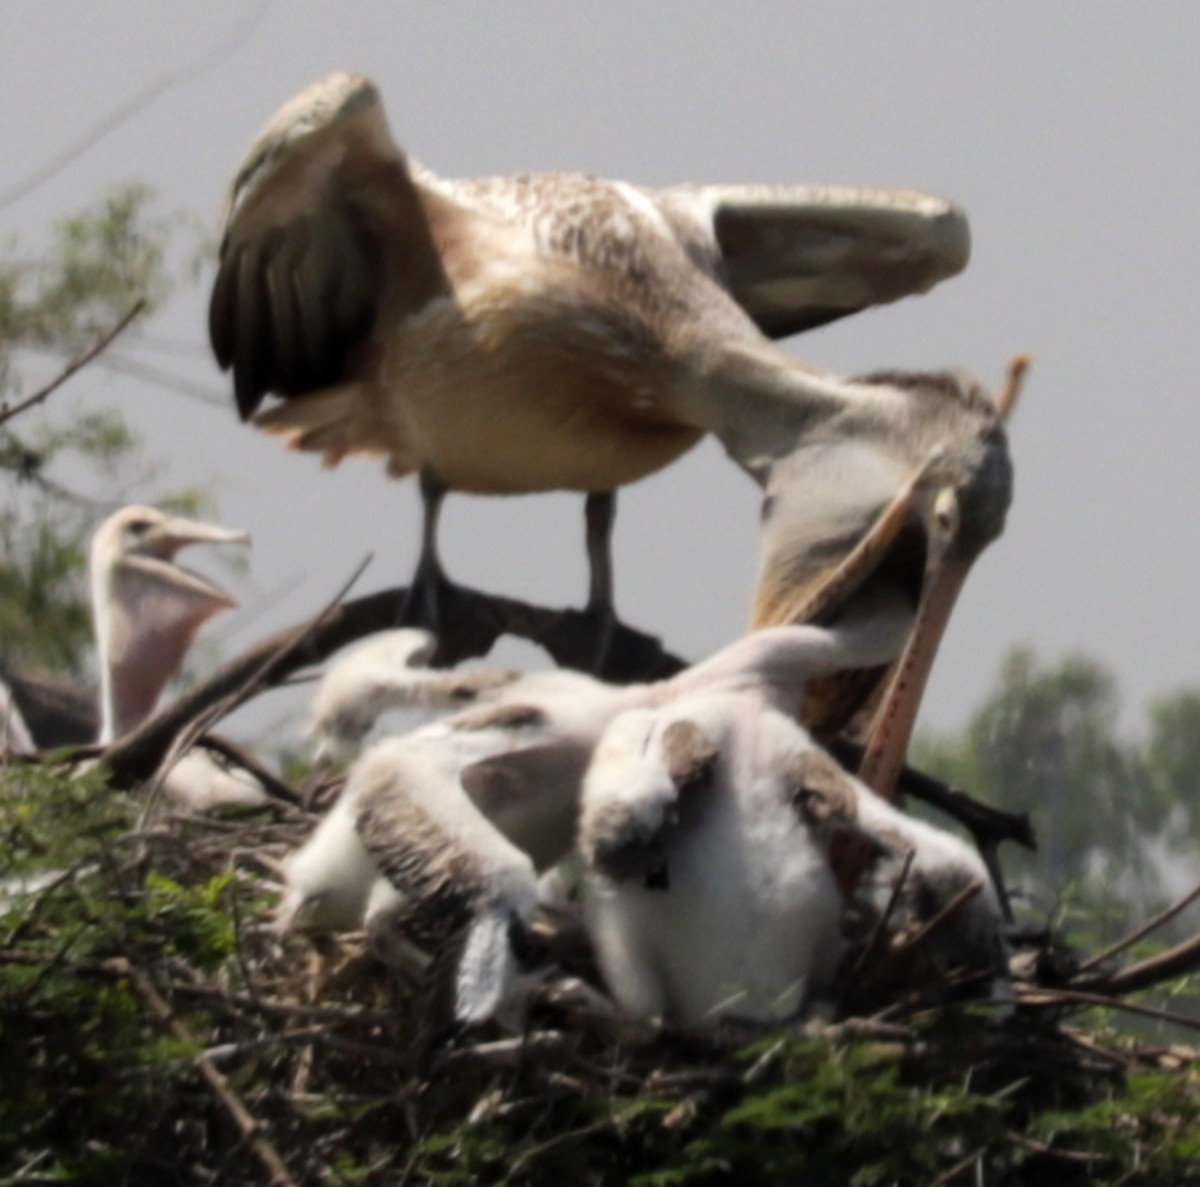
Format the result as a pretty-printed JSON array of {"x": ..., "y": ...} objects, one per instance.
[{"x": 544, "y": 331}]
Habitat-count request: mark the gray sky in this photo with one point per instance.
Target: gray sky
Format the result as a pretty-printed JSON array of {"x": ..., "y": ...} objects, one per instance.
[{"x": 1068, "y": 132}]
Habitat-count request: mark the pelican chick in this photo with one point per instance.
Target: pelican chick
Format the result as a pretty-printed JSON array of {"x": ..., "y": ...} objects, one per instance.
[
  {"x": 540, "y": 332},
  {"x": 388, "y": 671},
  {"x": 505, "y": 758},
  {"x": 465, "y": 889},
  {"x": 329, "y": 878},
  {"x": 147, "y": 610},
  {"x": 504, "y": 778},
  {"x": 706, "y": 826}
]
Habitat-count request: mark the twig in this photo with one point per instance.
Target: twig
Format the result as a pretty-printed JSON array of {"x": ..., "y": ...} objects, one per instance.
[
  {"x": 858, "y": 1030},
  {"x": 76, "y": 364},
  {"x": 241, "y": 692},
  {"x": 558, "y": 1139},
  {"x": 1076, "y": 1039},
  {"x": 1133, "y": 937},
  {"x": 125, "y": 111},
  {"x": 1072, "y": 1157},
  {"x": 1075, "y": 997},
  {"x": 266, "y": 1042},
  {"x": 1143, "y": 1161},
  {"x": 876, "y": 938},
  {"x": 249, "y": 1128},
  {"x": 948, "y": 1176},
  {"x": 272, "y": 784},
  {"x": 300, "y": 636},
  {"x": 1175, "y": 962},
  {"x": 510, "y": 1053},
  {"x": 280, "y": 1009},
  {"x": 922, "y": 934}
]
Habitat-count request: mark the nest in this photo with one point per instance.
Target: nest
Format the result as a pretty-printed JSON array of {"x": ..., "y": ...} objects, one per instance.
[
  {"x": 163, "y": 1032},
  {"x": 294, "y": 1060}
]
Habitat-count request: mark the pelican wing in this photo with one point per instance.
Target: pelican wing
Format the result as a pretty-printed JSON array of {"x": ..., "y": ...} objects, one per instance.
[
  {"x": 57, "y": 712},
  {"x": 796, "y": 257},
  {"x": 464, "y": 886},
  {"x": 323, "y": 227}
]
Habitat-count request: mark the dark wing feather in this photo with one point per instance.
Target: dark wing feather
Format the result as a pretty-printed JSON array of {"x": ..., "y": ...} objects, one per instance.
[{"x": 324, "y": 226}]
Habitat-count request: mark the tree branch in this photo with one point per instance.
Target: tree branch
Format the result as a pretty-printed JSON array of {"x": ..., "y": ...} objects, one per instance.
[
  {"x": 473, "y": 623},
  {"x": 249, "y": 1128},
  {"x": 76, "y": 364},
  {"x": 1145, "y": 974}
]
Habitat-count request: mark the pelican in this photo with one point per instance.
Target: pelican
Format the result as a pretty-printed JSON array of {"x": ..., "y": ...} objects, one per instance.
[
  {"x": 330, "y": 877},
  {"x": 57, "y": 710},
  {"x": 479, "y": 803},
  {"x": 388, "y": 671},
  {"x": 713, "y": 885},
  {"x": 513, "y": 751},
  {"x": 147, "y": 610},
  {"x": 557, "y": 331},
  {"x": 930, "y": 485}
]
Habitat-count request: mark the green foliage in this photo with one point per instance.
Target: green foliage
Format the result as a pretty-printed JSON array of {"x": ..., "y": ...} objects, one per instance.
[
  {"x": 1046, "y": 741},
  {"x": 1153, "y": 1124},
  {"x": 80, "y": 1046},
  {"x": 866, "y": 1115},
  {"x": 110, "y": 1092},
  {"x": 96, "y": 265},
  {"x": 846, "y": 1116},
  {"x": 56, "y": 301}
]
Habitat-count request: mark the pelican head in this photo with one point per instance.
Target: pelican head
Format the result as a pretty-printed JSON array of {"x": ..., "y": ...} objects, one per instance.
[
  {"x": 895, "y": 509},
  {"x": 147, "y": 608}
]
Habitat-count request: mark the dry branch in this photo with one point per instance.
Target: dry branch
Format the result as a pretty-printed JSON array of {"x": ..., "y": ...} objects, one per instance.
[
  {"x": 217, "y": 1084},
  {"x": 474, "y": 622},
  {"x": 1142, "y": 932},
  {"x": 76, "y": 364},
  {"x": 1178, "y": 961}
]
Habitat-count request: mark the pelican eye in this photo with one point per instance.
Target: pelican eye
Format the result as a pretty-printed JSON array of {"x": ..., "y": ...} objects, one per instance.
[{"x": 138, "y": 528}]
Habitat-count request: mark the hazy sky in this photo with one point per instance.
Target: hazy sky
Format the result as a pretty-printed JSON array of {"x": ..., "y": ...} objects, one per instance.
[{"x": 1068, "y": 132}]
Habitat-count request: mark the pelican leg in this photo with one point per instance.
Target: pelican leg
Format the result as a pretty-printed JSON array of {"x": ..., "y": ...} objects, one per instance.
[
  {"x": 600, "y": 513},
  {"x": 423, "y": 603}
]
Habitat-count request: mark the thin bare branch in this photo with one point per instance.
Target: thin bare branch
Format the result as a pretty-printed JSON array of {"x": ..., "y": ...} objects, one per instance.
[
  {"x": 1154, "y": 970},
  {"x": 126, "y": 111},
  {"x": 1140, "y": 934},
  {"x": 876, "y": 939},
  {"x": 238, "y": 695},
  {"x": 1057, "y": 998},
  {"x": 249, "y": 1128},
  {"x": 76, "y": 364},
  {"x": 922, "y": 934}
]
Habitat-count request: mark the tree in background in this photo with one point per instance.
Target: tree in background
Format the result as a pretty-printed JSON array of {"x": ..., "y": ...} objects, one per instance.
[
  {"x": 98, "y": 265},
  {"x": 1115, "y": 818}
]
